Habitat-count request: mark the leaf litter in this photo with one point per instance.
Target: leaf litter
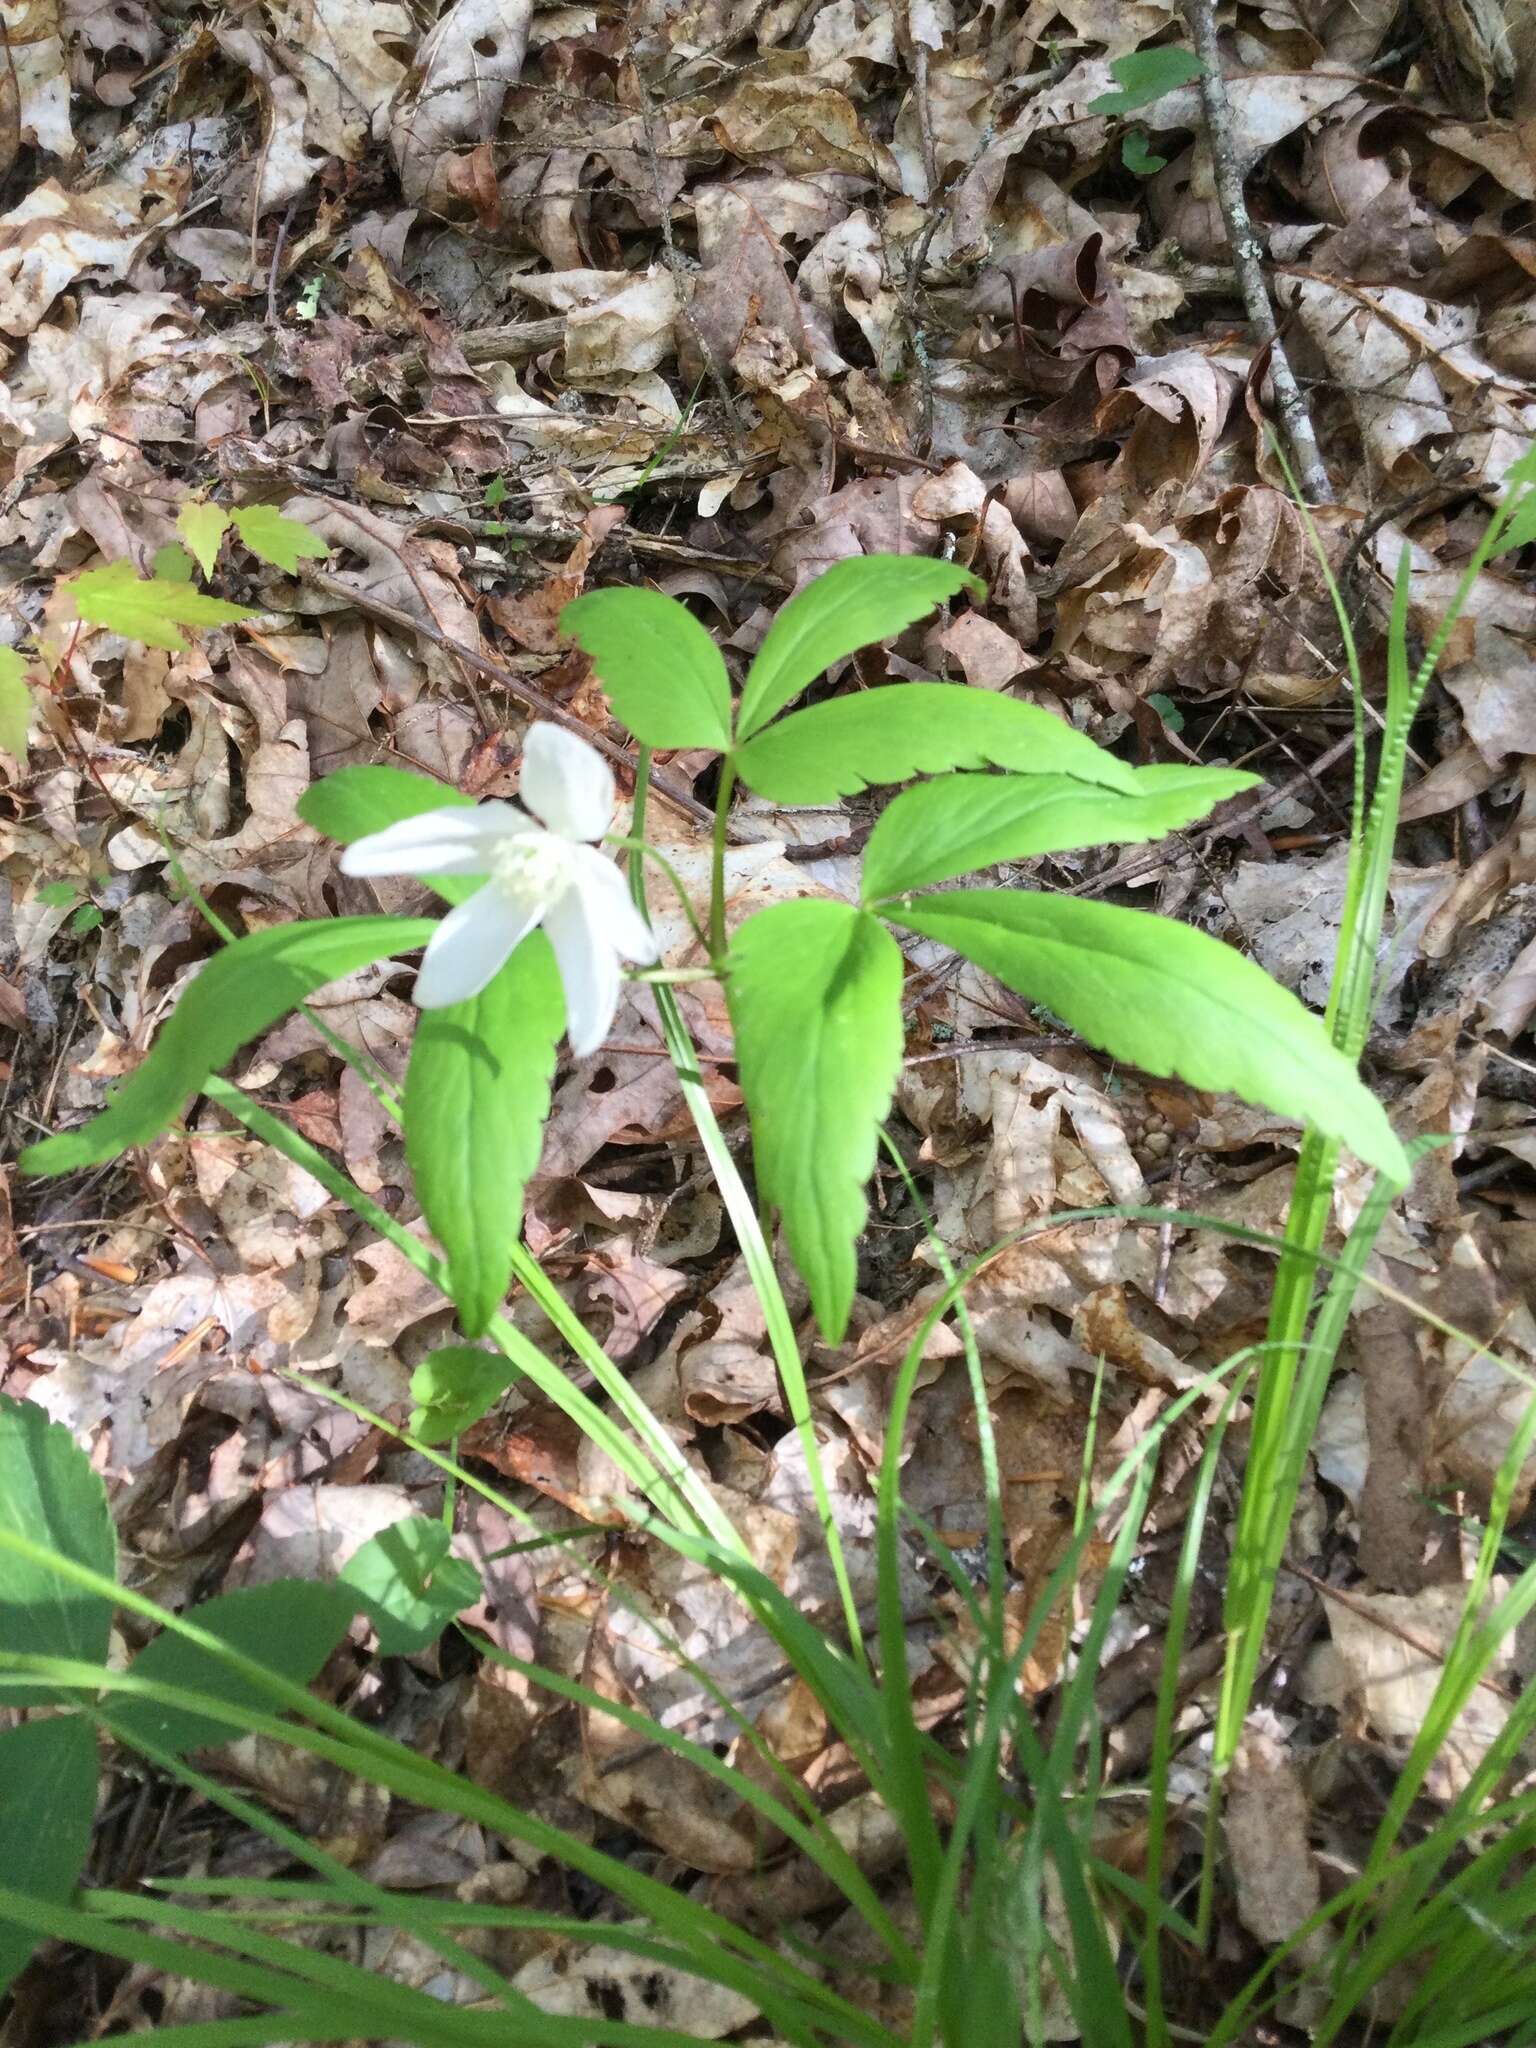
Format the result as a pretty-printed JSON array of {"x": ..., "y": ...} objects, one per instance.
[{"x": 514, "y": 303}]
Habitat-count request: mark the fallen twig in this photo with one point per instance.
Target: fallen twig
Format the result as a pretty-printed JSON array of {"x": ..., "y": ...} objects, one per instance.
[
  {"x": 1248, "y": 256},
  {"x": 517, "y": 341}
]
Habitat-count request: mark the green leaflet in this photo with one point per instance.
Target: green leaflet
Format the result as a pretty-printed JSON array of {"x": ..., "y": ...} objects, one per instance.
[
  {"x": 203, "y": 525},
  {"x": 242, "y": 990},
  {"x": 964, "y": 822},
  {"x": 663, "y": 674},
  {"x": 903, "y": 729},
  {"x": 454, "y": 1388},
  {"x": 276, "y": 539},
  {"x": 15, "y": 705},
  {"x": 1167, "y": 999},
  {"x": 47, "y": 1808},
  {"x": 356, "y": 801},
  {"x": 290, "y": 1626},
  {"x": 411, "y": 1584},
  {"x": 872, "y": 597},
  {"x": 50, "y": 1495},
  {"x": 476, "y": 1096},
  {"x": 814, "y": 990},
  {"x": 152, "y": 609}
]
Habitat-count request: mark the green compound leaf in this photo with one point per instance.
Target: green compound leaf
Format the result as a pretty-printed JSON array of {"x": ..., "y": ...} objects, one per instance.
[
  {"x": 290, "y": 1626},
  {"x": 454, "y": 1388},
  {"x": 1144, "y": 76},
  {"x": 815, "y": 997},
  {"x": 900, "y": 730},
  {"x": 410, "y": 1584},
  {"x": 50, "y": 1496},
  {"x": 47, "y": 1809},
  {"x": 965, "y": 822},
  {"x": 663, "y": 674},
  {"x": 276, "y": 540},
  {"x": 1167, "y": 999},
  {"x": 152, "y": 609},
  {"x": 872, "y": 597},
  {"x": 356, "y": 801},
  {"x": 203, "y": 525},
  {"x": 476, "y": 1097},
  {"x": 242, "y": 990},
  {"x": 15, "y": 705}
]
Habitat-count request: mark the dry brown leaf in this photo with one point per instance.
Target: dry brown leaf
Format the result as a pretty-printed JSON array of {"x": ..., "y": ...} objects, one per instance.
[
  {"x": 1393, "y": 1646},
  {"x": 1267, "y": 1818},
  {"x": 456, "y": 89},
  {"x": 53, "y": 236}
]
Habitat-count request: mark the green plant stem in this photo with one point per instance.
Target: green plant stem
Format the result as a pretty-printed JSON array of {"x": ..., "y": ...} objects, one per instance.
[
  {"x": 717, "y": 864},
  {"x": 1274, "y": 1466},
  {"x": 1167, "y": 1707},
  {"x": 738, "y": 1202},
  {"x": 636, "y": 844},
  {"x": 675, "y": 1489}
]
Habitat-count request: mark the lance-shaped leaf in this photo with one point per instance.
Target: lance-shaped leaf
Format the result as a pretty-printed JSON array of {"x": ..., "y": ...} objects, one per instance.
[
  {"x": 890, "y": 734},
  {"x": 814, "y": 990},
  {"x": 663, "y": 674},
  {"x": 1167, "y": 999},
  {"x": 47, "y": 1810},
  {"x": 964, "y": 822},
  {"x": 290, "y": 1626},
  {"x": 50, "y": 1496},
  {"x": 476, "y": 1098},
  {"x": 850, "y": 605},
  {"x": 242, "y": 990}
]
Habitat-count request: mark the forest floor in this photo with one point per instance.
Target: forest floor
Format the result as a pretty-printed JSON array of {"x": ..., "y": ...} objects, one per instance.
[{"x": 710, "y": 294}]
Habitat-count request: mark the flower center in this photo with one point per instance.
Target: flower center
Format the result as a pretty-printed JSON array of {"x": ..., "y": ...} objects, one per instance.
[{"x": 529, "y": 869}]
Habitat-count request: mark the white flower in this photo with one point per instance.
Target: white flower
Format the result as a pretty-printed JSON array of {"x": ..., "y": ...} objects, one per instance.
[{"x": 536, "y": 873}]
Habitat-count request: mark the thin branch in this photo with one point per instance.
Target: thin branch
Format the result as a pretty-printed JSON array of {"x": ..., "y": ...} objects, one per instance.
[{"x": 1248, "y": 255}]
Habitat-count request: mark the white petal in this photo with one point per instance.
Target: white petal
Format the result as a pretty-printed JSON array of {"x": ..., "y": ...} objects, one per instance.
[
  {"x": 589, "y": 970},
  {"x": 469, "y": 947},
  {"x": 450, "y": 841},
  {"x": 610, "y": 905},
  {"x": 566, "y": 784}
]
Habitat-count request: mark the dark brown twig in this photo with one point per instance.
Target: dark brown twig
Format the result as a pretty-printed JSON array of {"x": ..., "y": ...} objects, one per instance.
[{"x": 279, "y": 243}]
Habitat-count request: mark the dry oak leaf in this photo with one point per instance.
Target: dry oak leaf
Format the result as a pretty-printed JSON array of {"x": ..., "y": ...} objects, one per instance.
[
  {"x": 798, "y": 124},
  {"x": 340, "y": 51},
  {"x": 457, "y": 88},
  {"x": 36, "y": 46},
  {"x": 53, "y": 236}
]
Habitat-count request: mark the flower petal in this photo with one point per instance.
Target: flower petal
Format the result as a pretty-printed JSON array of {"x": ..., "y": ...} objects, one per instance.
[
  {"x": 450, "y": 841},
  {"x": 610, "y": 905},
  {"x": 589, "y": 970},
  {"x": 566, "y": 784},
  {"x": 469, "y": 947}
]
